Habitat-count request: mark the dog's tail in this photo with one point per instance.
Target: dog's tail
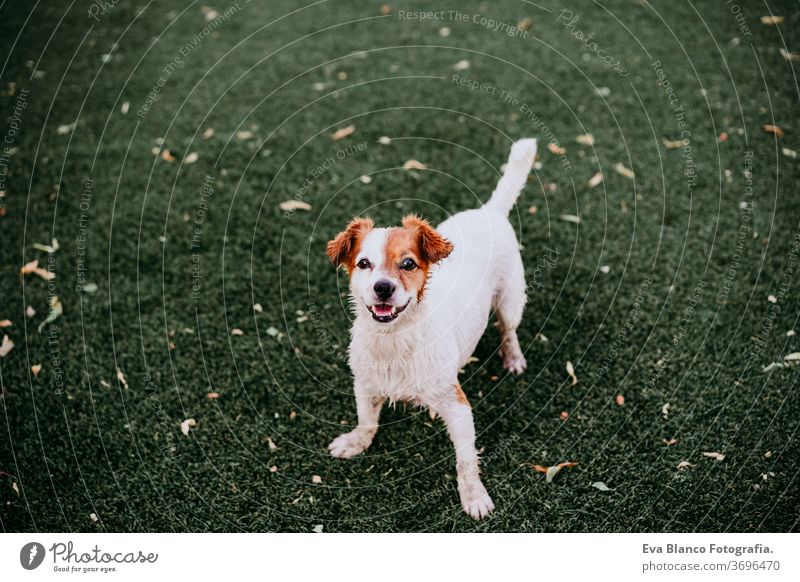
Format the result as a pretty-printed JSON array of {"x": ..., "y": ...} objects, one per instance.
[{"x": 510, "y": 185}]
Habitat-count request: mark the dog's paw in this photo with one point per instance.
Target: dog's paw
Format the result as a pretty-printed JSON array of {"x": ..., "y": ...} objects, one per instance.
[
  {"x": 349, "y": 444},
  {"x": 515, "y": 363},
  {"x": 476, "y": 501}
]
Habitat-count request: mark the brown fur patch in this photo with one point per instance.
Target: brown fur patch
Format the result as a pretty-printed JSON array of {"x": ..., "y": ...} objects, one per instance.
[
  {"x": 342, "y": 250},
  {"x": 460, "y": 396},
  {"x": 419, "y": 241}
]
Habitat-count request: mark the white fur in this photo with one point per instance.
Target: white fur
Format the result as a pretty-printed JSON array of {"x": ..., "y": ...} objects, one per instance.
[{"x": 417, "y": 356}]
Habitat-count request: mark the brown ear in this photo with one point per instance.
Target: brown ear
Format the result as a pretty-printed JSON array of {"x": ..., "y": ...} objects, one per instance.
[
  {"x": 342, "y": 248},
  {"x": 434, "y": 246}
]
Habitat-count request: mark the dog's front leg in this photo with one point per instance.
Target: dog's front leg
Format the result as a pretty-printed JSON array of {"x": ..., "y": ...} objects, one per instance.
[
  {"x": 352, "y": 443},
  {"x": 457, "y": 415}
]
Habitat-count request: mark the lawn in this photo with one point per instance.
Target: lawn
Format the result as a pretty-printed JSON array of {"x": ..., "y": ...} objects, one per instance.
[{"x": 157, "y": 141}]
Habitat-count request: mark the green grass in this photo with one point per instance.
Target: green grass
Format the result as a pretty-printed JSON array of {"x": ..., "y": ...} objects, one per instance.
[{"x": 98, "y": 446}]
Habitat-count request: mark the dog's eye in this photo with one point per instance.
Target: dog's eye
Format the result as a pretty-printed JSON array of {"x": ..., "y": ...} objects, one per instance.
[
  {"x": 408, "y": 265},
  {"x": 364, "y": 264}
]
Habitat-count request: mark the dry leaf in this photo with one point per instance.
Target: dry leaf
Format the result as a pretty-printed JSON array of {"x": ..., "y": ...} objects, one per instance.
[
  {"x": 318, "y": 528},
  {"x": 290, "y": 205},
  {"x": 570, "y": 218},
  {"x": 316, "y": 479},
  {"x": 595, "y": 180},
  {"x": 722, "y": 137},
  {"x": 774, "y": 129},
  {"x": 793, "y": 357},
  {"x": 65, "y": 129},
  {"x": 772, "y": 299},
  {"x": 342, "y": 133},
  {"x": 244, "y": 135},
  {"x": 533, "y": 210},
  {"x": 444, "y": 32},
  {"x": 30, "y": 311},
  {"x": 559, "y": 151},
  {"x": 772, "y": 20},
  {"x": 673, "y": 144},
  {"x": 525, "y": 23},
  {"x": 191, "y": 158},
  {"x": 553, "y": 471},
  {"x": 121, "y": 378},
  {"x": 365, "y": 179},
  {"x": 789, "y": 153},
  {"x": 665, "y": 410},
  {"x": 273, "y": 469},
  {"x": 236, "y": 331},
  {"x": 187, "y": 424},
  {"x": 51, "y": 248},
  {"x": 385, "y": 9},
  {"x": 622, "y": 170},
  {"x": 273, "y": 331},
  {"x": 414, "y": 165},
  {"x": 539, "y": 468},
  {"x": 6, "y": 346},
  {"x": 586, "y": 139},
  {"x": 125, "y": 107},
  {"x": 669, "y": 442},
  {"x": 601, "y": 486},
  {"x": 5, "y": 323},
  {"x": 56, "y": 311},
  {"x": 213, "y": 395},
  {"x": 571, "y": 372},
  {"x": 257, "y": 308},
  {"x": 271, "y": 444},
  {"x": 208, "y": 133},
  {"x": 462, "y": 65},
  {"x": 33, "y": 267},
  {"x": 292, "y": 415},
  {"x": 94, "y": 518},
  {"x": 384, "y": 140},
  {"x": 715, "y": 456},
  {"x": 36, "y": 368},
  {"x": 15, "y": 487},
  {"x": 620, "y": 400},
  {"x": 789, "y": 56},
  {"x": 167, "y": 156},
  {"x": 564, "y": 415},
  {"x": 684, "y": 465},
  {"x": 605, "y": 269}
]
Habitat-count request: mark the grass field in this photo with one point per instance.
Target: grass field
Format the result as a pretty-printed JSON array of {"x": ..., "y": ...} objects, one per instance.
[{"x": 661, "y": 293}]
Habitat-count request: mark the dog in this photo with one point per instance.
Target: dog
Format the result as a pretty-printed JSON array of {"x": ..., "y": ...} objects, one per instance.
[{"x": 422, "y": 298}]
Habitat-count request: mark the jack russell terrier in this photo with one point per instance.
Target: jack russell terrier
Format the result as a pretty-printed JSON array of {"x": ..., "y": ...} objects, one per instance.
[{"x": 422, "y": 299}]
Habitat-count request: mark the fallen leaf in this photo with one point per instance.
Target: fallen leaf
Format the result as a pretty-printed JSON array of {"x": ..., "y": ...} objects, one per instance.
[
  {"x": 684, "y": 465},
  {"x": 89, "y": 288},
  {"x": 673, "y": 144},
  {"x": 715, "y": 456},
  {"x": 271, "y": 444},
  {"x": 6, "y": 346},
  {"x": 595, "y": 180},
  {"x": 244, "y": 135},
  {"x": 15, "y": 487},
  {"x": 51, "y": 248},
  {"x": 30, "y": 311},
  {"x": 121, "y": 378},
  {"x": 273, "y": 469},
  {"x": 665, "y": 410},
  {"x": 125, "y": 107},
  {"x": 318, "y": 528},
  {"x": 602, "y": 91},
  {"x": 208, "y": 133},
  {"x": 292, "y": 415},
  {"x": 257, "y": 308},
  {"x": 553, "y": 471},
  {"x": 525, "y": 23},
  {"x": 365, "y": 179},
  {"x": 33, "y": 267},
  {"x": 623, "y": 171},
  {"x": 605, "y": 269},
  {"x": 772, "y": 299},
  {"x": 35, "y": 369},
  {"x": 272, "y": 331},
  {"x": 789, "y": 153},
  {"x": 620, "y": 400},
  {"x": 669, "y": 442},
  {"x": 414, "y": 165},
  {"x": 586, "y": 139},
  {"x": 462, "y": 65},
  {"x": 316, "y": 479},
  {"x": 290, "y": 205},
  {"x": 385, "y": 9},
  {"x": 601, "y": 486},
  {"x": 342, "y": 133},
  {"x": 789, "y": 56},
  {"x": 384, "y": 140},
  {"x": 213, "y": 395},
  {"x": 564, "y": 415},
  {"x": 571, "y": 372},
  {"x": 774, "y": 129},
  {"x": 722, "y": 137},
  {"x": 533, "y": 210},
  {"x": 191, "y": 158},
  {"x": 444, "y": 32},
  {"x": 559, "y": 151},
  {"x": 772, "y": 20},
  {"x": 167, "y": 156},
  {"x": 94, "y": 518},
  {"x": 570, "y": 218},
  {"x": 541, "y": 337},
  {"x": 539, "y": 468},
  {"x": 236, "y": 331},
  {"x": 65, "y": 129},
  {"x": 5, "y": 323},
  {"x": 187, "y": 424},
  {"x": 56, "y": 311}
]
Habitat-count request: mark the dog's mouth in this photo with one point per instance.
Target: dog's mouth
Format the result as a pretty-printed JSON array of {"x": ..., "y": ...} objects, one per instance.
[{"x": 384, "y": 313}]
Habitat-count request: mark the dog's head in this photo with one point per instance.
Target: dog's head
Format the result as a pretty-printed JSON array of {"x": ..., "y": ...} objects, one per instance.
[{"x": 388, "y": 267}]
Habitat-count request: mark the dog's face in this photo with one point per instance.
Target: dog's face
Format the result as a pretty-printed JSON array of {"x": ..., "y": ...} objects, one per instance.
[{"x": 388, "y": 267}]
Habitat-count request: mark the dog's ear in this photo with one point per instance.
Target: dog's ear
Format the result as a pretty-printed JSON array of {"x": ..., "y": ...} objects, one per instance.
[
  {"x": 342, "y": 248},
  {"x": 434, "y": 246}
]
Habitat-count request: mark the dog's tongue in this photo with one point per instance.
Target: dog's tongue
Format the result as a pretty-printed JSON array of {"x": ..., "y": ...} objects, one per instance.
[{"x": 382, "y": 310}]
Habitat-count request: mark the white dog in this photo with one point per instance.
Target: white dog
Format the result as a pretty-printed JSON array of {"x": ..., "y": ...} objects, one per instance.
[{"x": 422, "y": 298}]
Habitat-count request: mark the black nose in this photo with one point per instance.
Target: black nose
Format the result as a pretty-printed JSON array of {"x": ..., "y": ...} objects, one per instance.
[{"x": 383, "y": 289}]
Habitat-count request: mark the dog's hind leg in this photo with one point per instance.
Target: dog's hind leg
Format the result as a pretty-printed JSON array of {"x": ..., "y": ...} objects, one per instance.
[
  {"x": 509, "y": 305},
  {"x": 360, "y": 438}
]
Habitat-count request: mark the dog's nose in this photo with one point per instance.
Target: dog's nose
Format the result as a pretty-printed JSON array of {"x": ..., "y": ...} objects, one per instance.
[{"x": 384, "y": 290}]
